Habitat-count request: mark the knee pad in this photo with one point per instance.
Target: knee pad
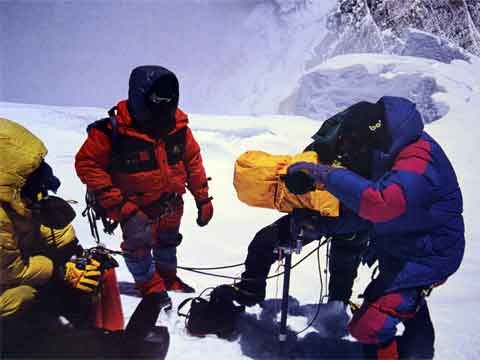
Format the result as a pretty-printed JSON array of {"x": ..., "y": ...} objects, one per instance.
[
  {"x": 363, "y": 332},
  {"x": 372, "y": 327}
]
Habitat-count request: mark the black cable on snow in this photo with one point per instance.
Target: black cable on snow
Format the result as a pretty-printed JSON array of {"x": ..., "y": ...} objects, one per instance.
[
  {"x": 210, "y": 268},
  {"x": 198, "y": 271},
  {"x": 320, "y": 295}
]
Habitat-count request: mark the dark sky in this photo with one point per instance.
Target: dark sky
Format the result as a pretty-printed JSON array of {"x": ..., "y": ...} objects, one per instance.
[{"x": 81, "y": 52}]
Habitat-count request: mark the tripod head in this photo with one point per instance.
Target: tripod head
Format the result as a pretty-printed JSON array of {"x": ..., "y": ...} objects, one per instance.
[{"x": 293, "y": 245}]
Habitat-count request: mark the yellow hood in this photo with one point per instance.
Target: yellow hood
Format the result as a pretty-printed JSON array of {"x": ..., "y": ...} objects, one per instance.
[{"x": 21, "y": 153}]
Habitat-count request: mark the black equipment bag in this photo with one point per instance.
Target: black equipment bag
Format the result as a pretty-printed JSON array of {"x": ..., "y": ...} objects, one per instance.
[{"x": 210, "y": 316}]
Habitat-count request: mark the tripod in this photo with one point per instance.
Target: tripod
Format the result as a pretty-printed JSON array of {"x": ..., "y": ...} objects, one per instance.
[{"x": 287, "y": 249}]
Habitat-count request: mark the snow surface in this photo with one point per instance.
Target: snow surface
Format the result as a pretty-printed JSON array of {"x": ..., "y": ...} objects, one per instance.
[{"x": 225, "y": 239}]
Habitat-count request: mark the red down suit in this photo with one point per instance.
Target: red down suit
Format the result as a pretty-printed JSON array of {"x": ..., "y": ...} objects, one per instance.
[{"x": 128, "y": 170}]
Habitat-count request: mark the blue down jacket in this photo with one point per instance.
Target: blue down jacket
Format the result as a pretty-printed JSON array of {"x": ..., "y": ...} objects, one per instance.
[{"x": 412, "y": 207}]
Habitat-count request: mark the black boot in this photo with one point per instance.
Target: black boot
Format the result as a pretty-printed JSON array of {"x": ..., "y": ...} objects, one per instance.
[
  {"x": 243, "y": 293},
  {"x": 249, "y": 293}
]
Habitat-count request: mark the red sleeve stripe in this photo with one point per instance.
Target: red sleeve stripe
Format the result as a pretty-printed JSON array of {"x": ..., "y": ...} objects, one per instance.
[
  {"x": 414, "y": 158},
  {"x": 382, "y": 206}
]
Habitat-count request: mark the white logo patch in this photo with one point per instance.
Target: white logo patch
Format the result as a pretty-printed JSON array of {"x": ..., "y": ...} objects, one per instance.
[{"x": 376, "y": 126}]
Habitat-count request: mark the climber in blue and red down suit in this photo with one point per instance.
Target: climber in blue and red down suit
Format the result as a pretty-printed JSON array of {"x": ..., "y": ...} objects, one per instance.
[
  {"x": 137, "y": 163},
  {"x": 411, "y": 206}
]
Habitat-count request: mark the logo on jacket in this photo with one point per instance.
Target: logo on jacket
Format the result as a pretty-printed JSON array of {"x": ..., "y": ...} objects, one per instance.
[
  {"x": 176, "y": 150},
  {"x": 376, "y": 126}
]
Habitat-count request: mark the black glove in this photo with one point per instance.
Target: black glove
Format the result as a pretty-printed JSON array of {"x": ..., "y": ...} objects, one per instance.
[{"x": 299, "y": 183}]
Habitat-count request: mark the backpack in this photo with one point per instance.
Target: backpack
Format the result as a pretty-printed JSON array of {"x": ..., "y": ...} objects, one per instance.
[{"x": 212, "y": 315}]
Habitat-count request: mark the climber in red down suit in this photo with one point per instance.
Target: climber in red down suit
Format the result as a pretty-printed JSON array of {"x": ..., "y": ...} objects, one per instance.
[{"x": 137, "y": 164}]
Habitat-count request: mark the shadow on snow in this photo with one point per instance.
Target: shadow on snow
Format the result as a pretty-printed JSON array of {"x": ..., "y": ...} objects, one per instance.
[{"x": 258, "y": 334}]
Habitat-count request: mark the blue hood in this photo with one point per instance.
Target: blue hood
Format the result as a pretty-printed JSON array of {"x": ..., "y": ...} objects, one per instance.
[
  {"x": 404, "y": 122},
  {"x": 405, "y": 126},
  {"x": 142, "y": 80}
]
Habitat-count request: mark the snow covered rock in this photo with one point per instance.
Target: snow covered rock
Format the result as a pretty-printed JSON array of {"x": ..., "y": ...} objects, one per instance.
[
  {"x": 422, "y": 44},
  {"x": 452, "y": 20},
  {"x": 330, "y": 88}
]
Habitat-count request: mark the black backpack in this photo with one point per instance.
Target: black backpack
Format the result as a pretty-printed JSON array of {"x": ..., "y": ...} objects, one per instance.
[{"x": 211, "y": 315}]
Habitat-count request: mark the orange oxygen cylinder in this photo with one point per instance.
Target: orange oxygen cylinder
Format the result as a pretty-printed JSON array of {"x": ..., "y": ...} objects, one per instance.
[{"x": 107, "y": 307}]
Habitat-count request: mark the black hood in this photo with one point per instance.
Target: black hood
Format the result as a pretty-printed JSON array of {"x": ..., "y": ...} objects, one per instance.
[
  {"x": 153, "y": 99},
  {"x": 351, "y": 135}
]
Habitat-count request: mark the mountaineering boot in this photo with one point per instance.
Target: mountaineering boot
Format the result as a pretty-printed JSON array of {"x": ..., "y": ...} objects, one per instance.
[
  {"x": 174, "y": 283},
  {"x": 242, "y": 292},
  {"x": 156, "y": 284},
  {"x": 145, "y": 316},
  {"x": 249, "y": 293}
]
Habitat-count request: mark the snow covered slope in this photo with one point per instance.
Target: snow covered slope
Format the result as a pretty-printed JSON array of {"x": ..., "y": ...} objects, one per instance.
[
  {"x": 341, "y": 81},
  {"x": 237, "y": 57},
  {"x": 225, "y": 239}
]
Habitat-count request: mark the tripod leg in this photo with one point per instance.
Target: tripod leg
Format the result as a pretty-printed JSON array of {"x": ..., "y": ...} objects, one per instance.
[{"x": 286, "y": 287}]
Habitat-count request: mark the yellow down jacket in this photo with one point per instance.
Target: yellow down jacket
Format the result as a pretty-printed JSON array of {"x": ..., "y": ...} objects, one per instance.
[
  {"x": 21, "y": 153},
  {"x": 257, "y": 182}
]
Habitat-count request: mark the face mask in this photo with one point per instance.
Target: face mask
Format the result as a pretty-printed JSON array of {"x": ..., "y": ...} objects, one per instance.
[
  {"x": 40, "y": 181},
  {"x": 53, "y": 212},
  {"x": 355, "y": 155},
  {"x": 163, "y": 119}
]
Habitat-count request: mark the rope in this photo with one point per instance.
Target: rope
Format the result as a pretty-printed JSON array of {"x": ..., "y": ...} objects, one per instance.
[
  {"x": 210, "y": 268},
  {"x": 277, "y": 275},
  {"x": 201, "y": 271},
  {"x": 247, "y": 279}
]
